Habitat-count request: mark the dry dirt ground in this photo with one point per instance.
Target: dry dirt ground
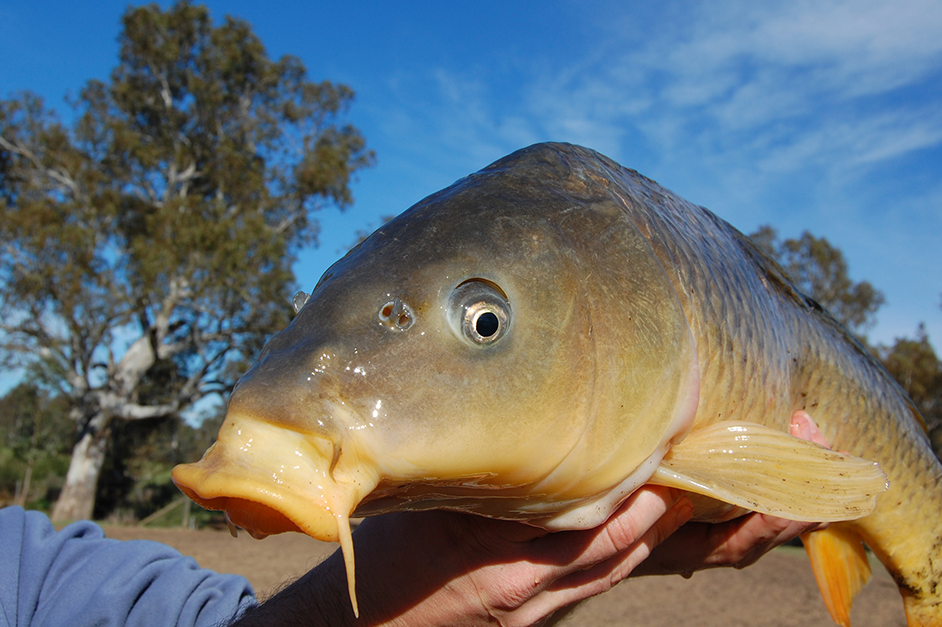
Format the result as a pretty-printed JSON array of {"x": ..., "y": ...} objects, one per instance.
[{"x": 778, "y": 591}]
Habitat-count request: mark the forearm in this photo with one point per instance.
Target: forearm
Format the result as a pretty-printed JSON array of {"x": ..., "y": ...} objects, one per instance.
[
  {"x": 316, "y": 599},
  {"x": 408, "y": 573}
]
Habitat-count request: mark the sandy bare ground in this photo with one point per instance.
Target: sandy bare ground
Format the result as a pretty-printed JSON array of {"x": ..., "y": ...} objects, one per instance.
[{"x": 779, "y": 591}]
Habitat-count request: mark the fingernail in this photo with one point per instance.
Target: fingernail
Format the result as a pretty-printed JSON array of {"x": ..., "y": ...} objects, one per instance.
[
  {"x": 813, "y": 429},
  {"x": 800, "y": 429}
]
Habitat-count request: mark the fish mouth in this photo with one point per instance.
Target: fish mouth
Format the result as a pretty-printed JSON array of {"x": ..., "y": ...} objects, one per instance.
[
  {"x": 268, "y": 480},
  {"x": 244, "y": 503}
]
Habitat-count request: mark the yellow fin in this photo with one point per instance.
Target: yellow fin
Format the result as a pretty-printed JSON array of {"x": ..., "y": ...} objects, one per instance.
[
  {"x": 840, "y": 567},
  {"x": 767, "y": 471}
]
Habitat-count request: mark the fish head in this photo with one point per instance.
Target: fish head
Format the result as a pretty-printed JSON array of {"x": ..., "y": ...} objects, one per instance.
[{"x": 510, "y": 346}]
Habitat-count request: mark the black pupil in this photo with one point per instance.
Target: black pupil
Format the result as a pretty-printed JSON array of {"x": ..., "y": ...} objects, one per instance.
[{"x": 487, "y": 324}]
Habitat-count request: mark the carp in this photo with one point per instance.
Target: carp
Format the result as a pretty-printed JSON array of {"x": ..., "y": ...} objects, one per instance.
[{"x": 543, "y": 337}]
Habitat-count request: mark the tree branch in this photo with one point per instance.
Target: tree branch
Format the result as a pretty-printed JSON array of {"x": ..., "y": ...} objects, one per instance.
[{"x": 58, "y": 175}]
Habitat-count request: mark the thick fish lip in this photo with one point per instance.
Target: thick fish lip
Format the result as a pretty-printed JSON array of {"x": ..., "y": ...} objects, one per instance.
[{"x": 270, "y": 480}]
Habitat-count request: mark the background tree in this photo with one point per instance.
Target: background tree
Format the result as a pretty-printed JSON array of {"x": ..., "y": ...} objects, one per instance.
[
  {"x": 820, "y": 271},
  {"x": 34, "y": 435},
  {"x": 135, "y": 479},
  {"x": 152, "y": 238},
  {"x": 914, "y": 364}
]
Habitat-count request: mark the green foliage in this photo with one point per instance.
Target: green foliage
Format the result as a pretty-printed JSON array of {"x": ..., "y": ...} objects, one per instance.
[
  {"x": 12, "y": 470},
  {"x": 35, "y": 438},
  {"x": 820, "y": 271},
  {"x": 135, "y": 480},
  {"x": 32, "y": 418},
  {"x": 148, "y": 246}
]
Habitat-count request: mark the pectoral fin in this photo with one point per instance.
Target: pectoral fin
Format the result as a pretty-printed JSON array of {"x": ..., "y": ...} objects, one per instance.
[
  {"x": 767, "y": 471},
  {"x": 840, "y": 567}
]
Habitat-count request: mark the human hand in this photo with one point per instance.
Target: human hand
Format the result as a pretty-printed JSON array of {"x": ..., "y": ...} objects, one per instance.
[
  {"x": 737, "y": 543},
  {"x": 471, "y": 570},
  {"x": 446, "y": 568}
]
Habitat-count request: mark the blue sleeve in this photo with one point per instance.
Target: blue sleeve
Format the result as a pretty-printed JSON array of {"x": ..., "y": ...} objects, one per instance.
[{"x": 78, "y": 577}]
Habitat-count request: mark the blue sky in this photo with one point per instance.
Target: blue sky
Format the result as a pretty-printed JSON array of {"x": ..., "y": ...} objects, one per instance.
[{"x": 820, "y": 115}]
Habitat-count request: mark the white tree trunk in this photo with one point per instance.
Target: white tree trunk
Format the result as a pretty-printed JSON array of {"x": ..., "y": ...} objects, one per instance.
[
  {"x": 77, "y": 499},
  {"x": 23, "y": 495}
]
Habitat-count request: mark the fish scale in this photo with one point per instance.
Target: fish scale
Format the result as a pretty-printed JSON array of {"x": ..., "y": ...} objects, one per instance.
[
  {"x": 856, "y": 403},
  {"x": 858, "y": 406},
  {"x": 740, "y": 334}
]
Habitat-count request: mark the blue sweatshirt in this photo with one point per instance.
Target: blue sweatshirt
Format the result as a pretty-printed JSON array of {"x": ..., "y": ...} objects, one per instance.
[{"x": 77, "y": 577}]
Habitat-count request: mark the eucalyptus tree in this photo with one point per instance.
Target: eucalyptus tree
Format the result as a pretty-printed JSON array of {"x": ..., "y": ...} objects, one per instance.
[
  {"x": 915, "y": 365},
  {"x": 151, "y": 237},
  {"x": 820, "y": 270}
]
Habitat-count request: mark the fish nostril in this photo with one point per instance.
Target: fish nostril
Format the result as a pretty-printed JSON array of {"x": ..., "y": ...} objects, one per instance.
[{"x": 396, "y": 315}]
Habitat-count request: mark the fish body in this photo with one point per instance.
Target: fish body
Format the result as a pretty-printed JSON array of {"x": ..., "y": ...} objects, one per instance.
[{"x": 543, "y": 337}]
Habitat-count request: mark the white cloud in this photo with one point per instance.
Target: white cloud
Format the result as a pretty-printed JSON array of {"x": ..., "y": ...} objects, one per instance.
[
  {"x": 760, "y": 89},
  {"x": 856, "y": 47},
  {"x": 785, "y": 79}
]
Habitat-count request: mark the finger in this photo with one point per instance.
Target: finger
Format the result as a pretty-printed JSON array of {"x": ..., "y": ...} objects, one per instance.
[
  {"x": 612, "y": 570},
  {"x": 630, "y": 522},
  {"x": 802, "y": 426},
  {"x": 738, "y": 543},
  {"x": 758, "y": 534},
  {"x": 602, "y": 575}
]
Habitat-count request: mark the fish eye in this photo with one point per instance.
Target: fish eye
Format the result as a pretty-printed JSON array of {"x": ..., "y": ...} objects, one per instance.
[{"x": 479, "y": 312}]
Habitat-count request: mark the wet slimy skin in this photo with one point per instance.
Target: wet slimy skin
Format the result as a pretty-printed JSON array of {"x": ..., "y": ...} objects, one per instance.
[{"x": 534, "y": 343}]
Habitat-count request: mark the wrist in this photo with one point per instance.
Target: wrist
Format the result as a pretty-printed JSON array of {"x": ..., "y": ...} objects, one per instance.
[{"x": 317, "y": 599}]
